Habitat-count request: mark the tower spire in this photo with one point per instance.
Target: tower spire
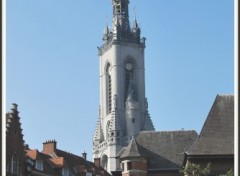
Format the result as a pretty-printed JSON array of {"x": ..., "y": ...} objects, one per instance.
[{"x": 121, "y": 26}]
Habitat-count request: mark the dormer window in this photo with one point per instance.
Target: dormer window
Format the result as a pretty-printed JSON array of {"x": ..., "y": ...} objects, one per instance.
[
  {"x": 65, "y": 171},
  {"x": 39, "y": 165},
  {"x": 14, "y": 164}
]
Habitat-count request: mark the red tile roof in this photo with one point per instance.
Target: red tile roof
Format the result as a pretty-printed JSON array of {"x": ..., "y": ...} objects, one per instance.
[
  {"x": 57, "y": 162},
  {"x": 32, "y": 154}
]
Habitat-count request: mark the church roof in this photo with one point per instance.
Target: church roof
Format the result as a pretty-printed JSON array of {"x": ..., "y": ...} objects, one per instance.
[
  {"x": 163, "y": 149},
  {"x": 217, "y": 134}
]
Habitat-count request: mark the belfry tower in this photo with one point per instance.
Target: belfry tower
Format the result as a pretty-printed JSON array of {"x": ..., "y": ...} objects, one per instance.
[{"x": 123, "y": 110}]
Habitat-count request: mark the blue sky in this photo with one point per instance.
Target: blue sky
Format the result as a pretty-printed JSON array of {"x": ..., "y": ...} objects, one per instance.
[{"x": 52, "y": 69}]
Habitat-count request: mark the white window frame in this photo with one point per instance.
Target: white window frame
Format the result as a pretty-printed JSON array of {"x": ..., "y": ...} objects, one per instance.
[
  {"x": 39, "y": 165},
  {"x": 65, "y": 171}
]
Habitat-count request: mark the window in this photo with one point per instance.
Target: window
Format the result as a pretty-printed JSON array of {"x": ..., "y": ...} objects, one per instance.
[
  {"x": 39, "y": 164},
  {"x": 109, "y": 89},
  {"x": 65, "y": 171},
  {"x": 133, "y": 120},
  {"x": 104, "y": 162},
  {"x": 129, "y": 165},
  {"x": 14, "y": 164},
  {"x": 130, "y": 80}
]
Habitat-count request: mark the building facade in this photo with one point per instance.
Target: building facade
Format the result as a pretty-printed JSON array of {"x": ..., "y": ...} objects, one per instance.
[
  {"x": 123, "y": 109},
  {"x": 15, "y": 149}
]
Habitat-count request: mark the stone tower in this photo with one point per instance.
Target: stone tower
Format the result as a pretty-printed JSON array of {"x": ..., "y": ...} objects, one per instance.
[{"x": 123, "y": 110}]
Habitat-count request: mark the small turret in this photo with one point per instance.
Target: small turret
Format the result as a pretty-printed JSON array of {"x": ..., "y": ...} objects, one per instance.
[
  {"x": 14, "y": 108},
  {"x": 106, "y": 33},
  {"x": 136, "y": 31}
]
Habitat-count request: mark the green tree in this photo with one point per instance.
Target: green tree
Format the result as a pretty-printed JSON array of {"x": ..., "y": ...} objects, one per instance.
[
  {"x": 196, "y": 170},
  {"x": 228, "y": 173}
]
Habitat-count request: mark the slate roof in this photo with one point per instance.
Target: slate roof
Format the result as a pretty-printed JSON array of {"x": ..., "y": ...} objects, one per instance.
[
  {"x": 217, "y": 134},
  {"x": 133, "y": 150},
  {"x": 164, "y": 150}
]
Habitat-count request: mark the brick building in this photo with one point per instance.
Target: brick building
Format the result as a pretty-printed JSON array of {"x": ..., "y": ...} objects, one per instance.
[{"x": 15, "y": 150}]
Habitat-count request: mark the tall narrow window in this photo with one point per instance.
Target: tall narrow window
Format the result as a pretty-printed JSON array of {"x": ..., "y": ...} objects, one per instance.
[
  {"x": 104, "y": 162},
  {"x": 65, "y": 171},
  {"x": 109, "y": 89},
  {"x": 14, "y": 164},
  {"x": 130, "y": 81},
  {"x": 39, "y": 164}
]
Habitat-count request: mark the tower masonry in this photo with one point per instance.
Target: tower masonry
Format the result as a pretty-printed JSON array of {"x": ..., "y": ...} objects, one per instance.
[{"x": 123, "y": 110}]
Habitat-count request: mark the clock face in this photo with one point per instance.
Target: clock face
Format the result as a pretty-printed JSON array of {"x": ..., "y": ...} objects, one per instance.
[{"x": 129, "y": 66}]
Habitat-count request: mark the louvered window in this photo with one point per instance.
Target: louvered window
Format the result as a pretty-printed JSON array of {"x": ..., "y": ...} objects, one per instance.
[{"x": 109, "y": 89}]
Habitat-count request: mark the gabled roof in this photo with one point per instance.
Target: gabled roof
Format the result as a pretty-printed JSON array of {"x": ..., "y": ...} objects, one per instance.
[
  {"x": 217, "y": 134},
  {"x": 32, "y": 154},
  {"x": 48, "y": 167},
  {"x": 164, "y": 149},
  {"x": 57, "y": 162}
]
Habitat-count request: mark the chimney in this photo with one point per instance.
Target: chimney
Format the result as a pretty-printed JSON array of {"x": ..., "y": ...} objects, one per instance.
[
  {"x": 97, "y": 162},
  {"x": 49, "y": 147},
  {"x": 84, "y": 155}
]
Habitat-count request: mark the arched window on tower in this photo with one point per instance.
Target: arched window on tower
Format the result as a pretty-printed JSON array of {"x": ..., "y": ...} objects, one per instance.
[
  {"x": 14, "y": 164},
  {"x": 109, "y": 89},
  {"x": 104, "y": 162},
  {"x": 130, "y": 81}
]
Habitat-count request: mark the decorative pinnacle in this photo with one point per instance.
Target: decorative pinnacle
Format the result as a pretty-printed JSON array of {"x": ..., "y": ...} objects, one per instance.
[{"x": 134, "y": 10}]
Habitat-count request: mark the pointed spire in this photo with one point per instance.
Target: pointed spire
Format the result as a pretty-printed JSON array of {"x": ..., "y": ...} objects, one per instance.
[
  {"x": 132, "y": 150},
  {"x": 135, "y": 15},
  {"x": 106, "y": 33},
  {"x": 135, "y": 23},
  {"x": 148, "y": 125}
]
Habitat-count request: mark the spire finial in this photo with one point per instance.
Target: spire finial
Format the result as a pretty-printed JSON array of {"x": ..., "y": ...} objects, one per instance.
[
  {"x": 106, "y": 19},
  {"x": 135, "y": 13}
]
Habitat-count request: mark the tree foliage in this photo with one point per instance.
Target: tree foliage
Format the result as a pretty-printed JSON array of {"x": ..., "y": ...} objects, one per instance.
[
  {"x": 228, "y": 173},
  {"x": 195, "y": 170}
]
